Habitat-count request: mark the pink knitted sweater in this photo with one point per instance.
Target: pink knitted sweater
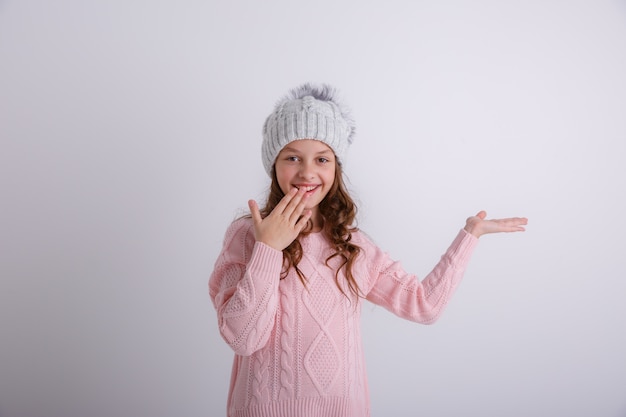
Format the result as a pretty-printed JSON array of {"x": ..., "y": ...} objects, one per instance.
[{"x": 298, "y": 350}]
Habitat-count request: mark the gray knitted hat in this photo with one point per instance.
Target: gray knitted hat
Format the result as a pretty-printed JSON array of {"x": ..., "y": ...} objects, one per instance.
[{"x": 309, "y": 111}]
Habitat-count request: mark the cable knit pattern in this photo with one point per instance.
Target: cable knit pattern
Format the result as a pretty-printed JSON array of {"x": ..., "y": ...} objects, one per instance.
[
  {"x": 313, "y": 334},
  {"x": 287, "y": 337},
  {"x": 260, "y": 383},
  {"x": 321, "y": 360}
]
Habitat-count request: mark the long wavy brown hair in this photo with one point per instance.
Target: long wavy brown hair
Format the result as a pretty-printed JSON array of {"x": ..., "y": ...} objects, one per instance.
[{"x": 338, "y": 212}]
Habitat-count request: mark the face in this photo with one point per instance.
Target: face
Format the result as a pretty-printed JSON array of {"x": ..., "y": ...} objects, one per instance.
[{"x": 306, "y": 163}]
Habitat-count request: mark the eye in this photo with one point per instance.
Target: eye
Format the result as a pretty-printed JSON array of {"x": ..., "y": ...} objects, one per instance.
[
  {"x": 323, "y": 160},
  {"x": 292, "y": 158}
]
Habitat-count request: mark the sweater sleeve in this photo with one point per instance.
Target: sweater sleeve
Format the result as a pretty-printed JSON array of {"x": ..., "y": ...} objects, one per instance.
[
  {"x": 244, "y": 289},
  {"x": 405, "y": 295}
]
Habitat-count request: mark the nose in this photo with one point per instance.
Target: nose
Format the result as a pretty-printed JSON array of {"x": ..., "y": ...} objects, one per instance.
[{"x": 307, "y": 169}]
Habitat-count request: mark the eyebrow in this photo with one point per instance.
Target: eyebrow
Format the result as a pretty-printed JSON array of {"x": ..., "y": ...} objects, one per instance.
[{"x": 290, "y": 149}]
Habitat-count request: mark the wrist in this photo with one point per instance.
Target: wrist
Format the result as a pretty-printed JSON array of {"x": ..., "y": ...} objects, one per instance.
[
  {"x": 270, "y": 244},
  {"x": 473, "y": 230}
]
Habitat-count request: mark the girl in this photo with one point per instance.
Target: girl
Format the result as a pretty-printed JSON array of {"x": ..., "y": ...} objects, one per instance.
[{"x": 288, "y": 283}]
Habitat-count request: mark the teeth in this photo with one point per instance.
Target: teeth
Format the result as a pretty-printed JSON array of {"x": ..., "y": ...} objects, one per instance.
[{"x": 308, "y": 188}]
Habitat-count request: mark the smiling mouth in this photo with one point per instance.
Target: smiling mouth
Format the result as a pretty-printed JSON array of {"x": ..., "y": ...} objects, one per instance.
[{"x": 307, "y": 188}]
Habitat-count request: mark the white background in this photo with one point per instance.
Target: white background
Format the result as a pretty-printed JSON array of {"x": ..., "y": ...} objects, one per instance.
[{"x": 130, "y": 137}]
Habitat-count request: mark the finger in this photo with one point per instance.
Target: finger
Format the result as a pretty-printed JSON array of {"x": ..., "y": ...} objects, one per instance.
[
  {"x": 254, "y": 211},
  {"x": 304, "y": 219},
  {"x": 299, "y": 209},
  {"x": 514, "y": 224},
  {"x": 514, "y": 221},
  {"x": 482, "y": 214},
  {"x": 519, "y": 221},
  {"x": 284, "y": 202},
  {"x": 293, "y": 206}
]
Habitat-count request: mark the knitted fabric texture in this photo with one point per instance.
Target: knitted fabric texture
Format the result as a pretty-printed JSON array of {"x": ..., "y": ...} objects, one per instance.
[
  {"x": 298, "y": 351},
  {"x": 309, "y": 111}
]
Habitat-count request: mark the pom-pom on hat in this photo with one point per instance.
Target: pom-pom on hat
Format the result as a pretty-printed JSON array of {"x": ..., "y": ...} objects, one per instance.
[{"x": 310, "y": 111}]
